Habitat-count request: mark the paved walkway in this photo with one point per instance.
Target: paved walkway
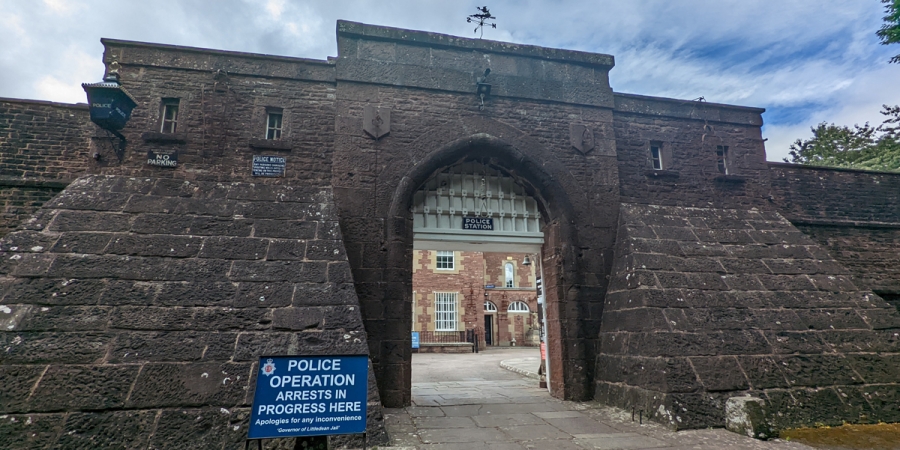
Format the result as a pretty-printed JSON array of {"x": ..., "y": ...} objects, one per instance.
[{"x": 470, "y": 402}]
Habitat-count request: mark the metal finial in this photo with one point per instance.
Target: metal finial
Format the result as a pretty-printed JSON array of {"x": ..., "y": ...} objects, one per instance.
[{"x": 480, "y": 19}]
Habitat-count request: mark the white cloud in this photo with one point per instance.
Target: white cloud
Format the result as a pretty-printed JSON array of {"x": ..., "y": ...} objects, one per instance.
[
  {"x": 66, "y": 86},
  {"x": 818, "y": 61}
]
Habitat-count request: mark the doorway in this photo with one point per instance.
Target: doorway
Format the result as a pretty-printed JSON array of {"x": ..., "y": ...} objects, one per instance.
[{"x": 489, "y": 329}]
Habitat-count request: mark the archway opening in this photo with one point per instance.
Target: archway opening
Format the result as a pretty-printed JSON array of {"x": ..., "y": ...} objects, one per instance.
[{"x": 478, "y": 235}]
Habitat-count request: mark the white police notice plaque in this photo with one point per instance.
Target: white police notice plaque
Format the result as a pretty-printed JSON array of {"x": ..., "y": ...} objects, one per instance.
[{"x": 309, "y": 396}]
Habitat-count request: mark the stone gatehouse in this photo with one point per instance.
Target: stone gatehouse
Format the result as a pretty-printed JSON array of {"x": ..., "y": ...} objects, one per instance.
[{"x": 679, "y": 267}]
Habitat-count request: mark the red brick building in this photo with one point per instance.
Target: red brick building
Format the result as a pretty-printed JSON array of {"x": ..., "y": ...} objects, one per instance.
[{"x": 494, "y": 294}]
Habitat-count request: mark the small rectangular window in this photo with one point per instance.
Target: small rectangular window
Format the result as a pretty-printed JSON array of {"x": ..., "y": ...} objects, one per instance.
[
  {"x": 273, "y": 125},
  {"x": 445, "y": 311},
  {"x": 722, "y": 159},
  {"x": 656, "y": 158},
  {"x": 169, "y": 115},
  {"x": 444, "y": 261}
]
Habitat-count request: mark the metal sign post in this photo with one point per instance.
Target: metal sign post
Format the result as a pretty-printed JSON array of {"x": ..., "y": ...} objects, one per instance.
[{"x": 302, "y": 396}]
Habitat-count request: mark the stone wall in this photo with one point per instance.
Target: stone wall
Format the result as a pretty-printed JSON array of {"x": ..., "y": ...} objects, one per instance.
[
  {"x": 223, "y": 99},
  {"x": 133, "y": 310},
  {"x": 43, "y": 146},
  {"x": 707, "y": 304},
  {"x": 428, "y": 83},
  {"x": 688, "y": 134},
  {"x": 854, "y": 214}
]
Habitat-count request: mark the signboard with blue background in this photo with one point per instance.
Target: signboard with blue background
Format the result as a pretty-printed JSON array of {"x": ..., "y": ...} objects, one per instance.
[{"x": 309, "y": 396}]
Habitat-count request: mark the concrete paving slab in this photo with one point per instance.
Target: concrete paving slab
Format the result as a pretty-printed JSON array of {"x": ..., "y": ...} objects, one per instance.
[
  {"x": 535, "y": 432},
  {"x": 558, "y": 414},
  {"x": 510, "y": 412},
  {"x": 438, "y": 436},
  {"x": 581, "y": 426},
  {"x": 613, "y": 441},
  {"x": 506, "y": 420},
  {"x": 444, "y": 422}
]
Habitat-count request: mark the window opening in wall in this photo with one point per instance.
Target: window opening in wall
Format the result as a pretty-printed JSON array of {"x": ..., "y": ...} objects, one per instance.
[
  {"x": 517, "y": 307},
  {"x": 489, "y": 306},
  {"x": 444, "y": 261},
  {"x": 445, "y": 311},
  {"x": 169, "y": 115},
  {"x": 509, "y": 271},
  {"x": 656, "y": 157},
  {"x": 722, "y": 159},
  {"x": 273, "y": 125}
]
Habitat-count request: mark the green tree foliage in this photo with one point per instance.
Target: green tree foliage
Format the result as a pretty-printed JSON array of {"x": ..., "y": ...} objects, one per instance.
[
  {"x": 890, "y": 31},
  {"x": 859, "y": 147}
]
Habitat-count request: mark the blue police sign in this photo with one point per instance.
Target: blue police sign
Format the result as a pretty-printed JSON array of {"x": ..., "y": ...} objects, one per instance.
[{"x": 309, "y": 396}]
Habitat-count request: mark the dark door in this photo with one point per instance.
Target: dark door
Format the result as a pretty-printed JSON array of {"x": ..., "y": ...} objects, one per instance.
[{"x": 489, "y": 329}]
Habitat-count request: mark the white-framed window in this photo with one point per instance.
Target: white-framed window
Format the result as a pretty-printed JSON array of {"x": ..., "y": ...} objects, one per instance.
[
  {"x": 274, "y": 125},
  {"x": 445, "y": 311},
  {"x": 656, "y": 158},
  {"x": 722, "y": 159},
  {"x": 518, "y": 307},
  {"x": 444, "y": 261},
  {"x": 169, "y": 115},
  {"x": 489, "y": 306},
  {"x": 509, "y": 274}
]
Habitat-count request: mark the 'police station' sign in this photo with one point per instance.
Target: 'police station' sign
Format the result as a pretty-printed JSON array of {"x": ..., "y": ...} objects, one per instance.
[
  {"x": 309, "y": 396},
  {"x": 478, "y": 223}
]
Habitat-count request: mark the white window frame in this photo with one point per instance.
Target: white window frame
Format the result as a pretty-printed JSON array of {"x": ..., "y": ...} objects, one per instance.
[
  {"x": 274, "y": 131},
  {"x": 441, "y": 260},
  {"x": 489, "y": 307},
  {"x": 722, "y": 160},
  {"x": 169, "y": 105},
  {"x": 445, "y": 311},
  {"x": 518, "y": 307},
  {"x": 509, "y": 275},
  {"x": 656, "y": 158}
]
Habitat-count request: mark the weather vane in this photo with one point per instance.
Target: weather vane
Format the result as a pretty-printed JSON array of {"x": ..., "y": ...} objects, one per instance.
[{"x": 480, "y": 19}]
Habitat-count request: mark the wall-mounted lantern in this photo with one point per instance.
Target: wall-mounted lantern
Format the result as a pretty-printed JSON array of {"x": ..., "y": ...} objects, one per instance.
[
  {"x": 110, "y": 105},
  {"x": 483, "y": 89}
]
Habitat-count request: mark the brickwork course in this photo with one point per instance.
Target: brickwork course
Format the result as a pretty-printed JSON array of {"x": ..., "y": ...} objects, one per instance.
[{"x": 135, "y": 299}]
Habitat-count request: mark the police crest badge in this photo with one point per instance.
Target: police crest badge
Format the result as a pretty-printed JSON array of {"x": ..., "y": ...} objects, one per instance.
[{"x": 268, "y": 368}]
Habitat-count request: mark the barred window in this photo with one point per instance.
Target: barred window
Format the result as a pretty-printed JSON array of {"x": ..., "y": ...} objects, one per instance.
[
  {"x": 518, "y": 307},
  {"x": 445, "y": 261},
  {"x": 509, "y": 271},
  {"x": 445, "y": 311}
]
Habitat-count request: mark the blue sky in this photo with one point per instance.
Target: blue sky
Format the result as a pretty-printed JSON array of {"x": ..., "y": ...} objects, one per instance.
[{"x": 805, "y": 61}]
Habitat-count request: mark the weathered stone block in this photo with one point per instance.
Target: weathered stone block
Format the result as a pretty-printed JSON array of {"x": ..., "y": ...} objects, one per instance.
[
  {"x": 54, "y": 347},
  {"x": 31, "y": 431},
  {"x": 163, "y": 385},
  {"x": 264, "y": 295},
  {"x": 234, "y": 248},
  {"x": 747, "y": 416},
  {"x": 121, "y": 429},
  {"x": 137, "y": 347},
  {"x": 17, "y": 381},
  {"x": 65, "y": 388}
]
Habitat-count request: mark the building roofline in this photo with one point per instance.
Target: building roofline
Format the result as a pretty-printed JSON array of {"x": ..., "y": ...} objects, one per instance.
[
  {"x": 751, "y": 109},
  {"x": 831, "y": 169},
  {"x": 208, "y": 51},
  {"x": 377, "y": 32},
  {"x": 83, "y": 106}
]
